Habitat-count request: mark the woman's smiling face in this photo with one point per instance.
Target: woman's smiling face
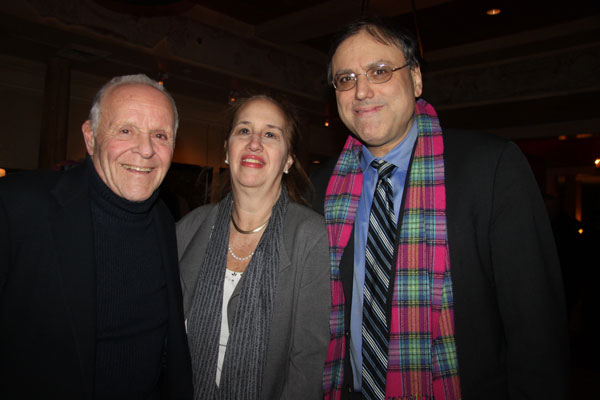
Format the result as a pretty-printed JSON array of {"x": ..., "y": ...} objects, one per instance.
[{"x": 258, "y": 146}]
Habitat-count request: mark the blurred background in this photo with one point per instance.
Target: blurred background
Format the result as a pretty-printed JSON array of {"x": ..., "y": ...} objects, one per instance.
[{"x": 527, "y": 70}]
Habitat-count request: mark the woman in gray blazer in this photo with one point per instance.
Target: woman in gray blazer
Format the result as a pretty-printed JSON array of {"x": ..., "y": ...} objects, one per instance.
[{"x": 255, "y": 269}]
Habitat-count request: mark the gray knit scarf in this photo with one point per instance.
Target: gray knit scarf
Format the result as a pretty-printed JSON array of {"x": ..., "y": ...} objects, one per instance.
[{"x": 241, "y": 377}]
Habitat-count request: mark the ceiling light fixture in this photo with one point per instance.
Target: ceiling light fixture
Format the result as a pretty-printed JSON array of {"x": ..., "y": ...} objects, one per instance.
[{"x": 493, "y": 11}]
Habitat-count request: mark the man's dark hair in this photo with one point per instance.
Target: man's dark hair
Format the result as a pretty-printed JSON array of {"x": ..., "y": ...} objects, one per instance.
[{"x": 383, "y": 31}]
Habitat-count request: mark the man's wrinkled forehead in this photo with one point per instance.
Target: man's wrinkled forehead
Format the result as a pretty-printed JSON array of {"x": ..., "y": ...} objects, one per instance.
[{"x": 123, "y": 96}]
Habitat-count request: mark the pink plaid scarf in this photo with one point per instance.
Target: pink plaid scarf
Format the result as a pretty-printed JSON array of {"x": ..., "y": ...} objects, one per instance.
[{"x": 422, "y": 362}]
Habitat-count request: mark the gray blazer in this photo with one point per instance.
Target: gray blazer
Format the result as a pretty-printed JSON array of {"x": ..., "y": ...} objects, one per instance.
[{"x": 299, "y": 333}]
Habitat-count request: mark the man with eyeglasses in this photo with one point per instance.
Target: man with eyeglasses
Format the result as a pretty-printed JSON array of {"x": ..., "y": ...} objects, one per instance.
[{"x": 445, "y": 280}]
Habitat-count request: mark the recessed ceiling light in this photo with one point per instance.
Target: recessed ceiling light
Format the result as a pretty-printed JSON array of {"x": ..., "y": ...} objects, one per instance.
[{"x": 493, "y": 11}]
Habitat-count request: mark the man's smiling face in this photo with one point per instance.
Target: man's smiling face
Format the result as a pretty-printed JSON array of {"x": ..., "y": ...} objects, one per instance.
[
  {"x": 379, "y": 114},
  {"x": 133, "y": 144}
]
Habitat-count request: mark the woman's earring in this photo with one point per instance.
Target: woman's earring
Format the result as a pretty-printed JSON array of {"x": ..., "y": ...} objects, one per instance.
[{"x": 227, "y": 161}]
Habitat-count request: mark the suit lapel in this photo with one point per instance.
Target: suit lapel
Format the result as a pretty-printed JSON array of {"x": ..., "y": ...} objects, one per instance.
[
  {"x": 347, "y": 272},
  {"x": 168, "y": 249},
  {"x": 73, "y": 239},
  {"x": 175, "y": 339},
  {"x": 193, "y": 256}
]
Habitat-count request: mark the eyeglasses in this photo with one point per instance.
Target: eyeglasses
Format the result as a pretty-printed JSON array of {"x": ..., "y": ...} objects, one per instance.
[{"x": 378, "y": 74}]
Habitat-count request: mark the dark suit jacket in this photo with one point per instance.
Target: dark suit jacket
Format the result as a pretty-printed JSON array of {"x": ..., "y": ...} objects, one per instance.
[
  {"x": 47, "y": 291},
  {"x": 509, "y": 312}
]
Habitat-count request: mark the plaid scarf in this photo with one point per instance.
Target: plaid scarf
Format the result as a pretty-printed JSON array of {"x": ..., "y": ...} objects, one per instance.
[{"x": 422, "y": 362}]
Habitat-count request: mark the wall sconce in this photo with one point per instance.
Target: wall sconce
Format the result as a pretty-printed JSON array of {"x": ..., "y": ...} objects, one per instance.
[
  {"x": 162, "y": 77},
  {"x": 2, "y": 172},
  {"x": 233, "y": 96}
]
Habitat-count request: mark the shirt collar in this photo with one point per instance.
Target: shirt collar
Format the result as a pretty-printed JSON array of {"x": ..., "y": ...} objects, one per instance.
[{"x": 399, "y": 155}]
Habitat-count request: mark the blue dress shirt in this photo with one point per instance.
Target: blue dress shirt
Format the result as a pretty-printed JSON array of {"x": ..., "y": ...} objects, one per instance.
[{"x": 400, "y": 157}]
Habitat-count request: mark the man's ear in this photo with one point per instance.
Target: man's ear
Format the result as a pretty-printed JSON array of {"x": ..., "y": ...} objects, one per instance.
[
  {"x": 415, "y": 73},
  {"x": 88, "y": 137}
]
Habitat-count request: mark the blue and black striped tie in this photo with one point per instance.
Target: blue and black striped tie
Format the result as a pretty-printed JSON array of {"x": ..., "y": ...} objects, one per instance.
[{"x": 379, "y": 259}]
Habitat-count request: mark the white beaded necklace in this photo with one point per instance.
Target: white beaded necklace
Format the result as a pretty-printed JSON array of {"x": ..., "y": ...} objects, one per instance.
[{"x": 239, "y": 258}]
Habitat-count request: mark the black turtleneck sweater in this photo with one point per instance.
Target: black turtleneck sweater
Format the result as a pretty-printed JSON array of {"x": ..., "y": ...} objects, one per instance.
[{"x": 131, "y": 302}]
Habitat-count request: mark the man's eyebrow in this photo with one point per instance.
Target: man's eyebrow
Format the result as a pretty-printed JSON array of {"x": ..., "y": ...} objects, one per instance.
[
  {"x": 376, "y": 63},
  {"x": 344, "y": 71},
  {"x": 161, "y": 130}
]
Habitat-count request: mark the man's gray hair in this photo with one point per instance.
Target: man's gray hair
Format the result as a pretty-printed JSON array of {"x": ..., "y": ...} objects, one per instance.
[{"x": 139, "y": 79}]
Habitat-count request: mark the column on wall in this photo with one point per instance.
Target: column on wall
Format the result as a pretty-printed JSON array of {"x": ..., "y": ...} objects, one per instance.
[
  {"x": 215, "y": 154},
  {"x": 55, "y": 113}
]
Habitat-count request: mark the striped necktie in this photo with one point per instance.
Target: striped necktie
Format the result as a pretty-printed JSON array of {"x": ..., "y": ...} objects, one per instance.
[{"x": 379, "y": 259}]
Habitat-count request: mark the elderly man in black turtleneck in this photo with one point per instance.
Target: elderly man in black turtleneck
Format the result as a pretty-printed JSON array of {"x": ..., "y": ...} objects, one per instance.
[{"x": 90, "y": 301}]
